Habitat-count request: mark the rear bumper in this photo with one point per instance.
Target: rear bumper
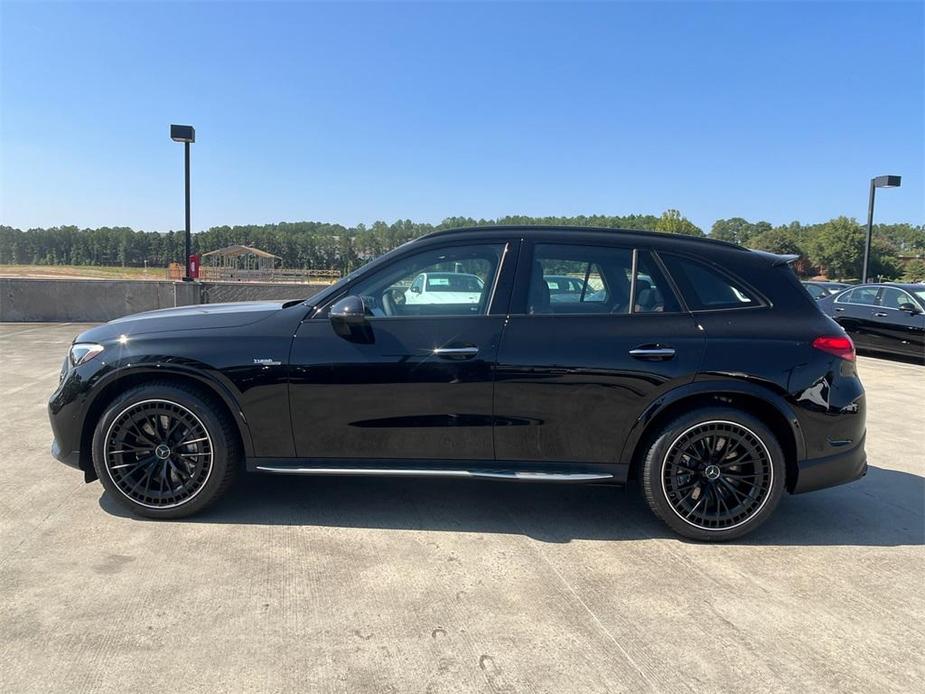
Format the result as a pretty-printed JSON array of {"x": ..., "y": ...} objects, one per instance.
[{"x": 839, "y": 468}]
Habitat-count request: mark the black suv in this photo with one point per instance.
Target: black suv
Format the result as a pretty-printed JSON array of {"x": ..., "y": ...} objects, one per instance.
[{"x": 702, "y": 369}]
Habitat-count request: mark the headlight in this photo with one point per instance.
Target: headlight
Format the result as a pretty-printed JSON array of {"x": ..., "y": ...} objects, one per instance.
[{"x": 83, "y": 352}]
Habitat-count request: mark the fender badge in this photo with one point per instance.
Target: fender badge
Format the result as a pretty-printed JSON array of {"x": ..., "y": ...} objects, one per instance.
[{"x": 267, "y": 362}]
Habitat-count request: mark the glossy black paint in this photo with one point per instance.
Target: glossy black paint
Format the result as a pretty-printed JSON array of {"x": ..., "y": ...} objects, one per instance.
[
  {"x": 876, "y": 326},
  {"x": 542, "y": 392}
]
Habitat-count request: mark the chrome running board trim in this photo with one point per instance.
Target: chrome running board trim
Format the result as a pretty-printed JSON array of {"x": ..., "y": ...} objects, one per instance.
[{"x": 414, "y": 472}]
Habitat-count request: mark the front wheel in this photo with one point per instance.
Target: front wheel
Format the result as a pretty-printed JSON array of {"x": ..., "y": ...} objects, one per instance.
[
  {"x": 165, "y": 451},
  {"x": 714, "y": 474}
]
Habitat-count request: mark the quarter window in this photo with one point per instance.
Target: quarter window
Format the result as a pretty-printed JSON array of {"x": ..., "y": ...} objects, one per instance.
[
  {"x": 705, "y": 288},
  {"x": 454, "y": 281}
]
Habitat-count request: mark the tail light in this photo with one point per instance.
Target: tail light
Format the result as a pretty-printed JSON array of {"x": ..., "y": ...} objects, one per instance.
[{"x": 839, "y": 345}]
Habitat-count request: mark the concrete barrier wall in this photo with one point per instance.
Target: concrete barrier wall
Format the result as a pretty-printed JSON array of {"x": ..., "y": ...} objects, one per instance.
[{"x": 50, "y": 300}]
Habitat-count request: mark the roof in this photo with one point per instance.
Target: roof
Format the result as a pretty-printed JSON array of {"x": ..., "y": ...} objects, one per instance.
[
  {"x": 662, "y": 235},
  {"x": 236, "y": 249}
]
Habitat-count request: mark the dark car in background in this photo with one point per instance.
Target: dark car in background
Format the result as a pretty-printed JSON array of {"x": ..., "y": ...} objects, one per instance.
[
  {"x": 819, "y": 289},
  {"x": 882, "y": 317},
  {"x": 697, "y": 367}
]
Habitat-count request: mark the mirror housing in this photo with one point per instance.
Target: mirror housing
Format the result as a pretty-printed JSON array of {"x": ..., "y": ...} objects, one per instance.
[
  {"x": 908, "y": 307},
  {"x": 348, "y": 317},
  {"x": 415, "y": 290}
]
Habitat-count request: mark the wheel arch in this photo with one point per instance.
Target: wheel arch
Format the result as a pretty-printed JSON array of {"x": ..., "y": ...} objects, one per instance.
[
  {"x": 766, "y": 406},
  {"x": 123, "y": 379}
]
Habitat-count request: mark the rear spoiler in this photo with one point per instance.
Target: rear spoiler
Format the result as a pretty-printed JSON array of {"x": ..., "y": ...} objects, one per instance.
[{"x": 786, "y": 259}]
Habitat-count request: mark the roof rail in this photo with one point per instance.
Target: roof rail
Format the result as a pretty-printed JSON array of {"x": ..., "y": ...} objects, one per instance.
[{"x": 566, "y": 227}]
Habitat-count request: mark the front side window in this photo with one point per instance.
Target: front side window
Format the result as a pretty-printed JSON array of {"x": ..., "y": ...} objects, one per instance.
[
  {"x": 894, "y": 298},
  {"x": 454, "y": 281},
  {"x": 705, "y": 288},
  {"x": 864, "y": 296}
]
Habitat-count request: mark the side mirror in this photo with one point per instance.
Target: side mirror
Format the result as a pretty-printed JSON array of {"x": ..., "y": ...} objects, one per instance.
[
  {"x": 909, "y": 308},
  {"x": 415, "y": 289},
  {"x": 349, "y": 319}
]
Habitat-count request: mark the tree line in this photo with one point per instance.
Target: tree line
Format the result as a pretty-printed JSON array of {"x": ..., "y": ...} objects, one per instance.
[{"x": 834, "y": 248}]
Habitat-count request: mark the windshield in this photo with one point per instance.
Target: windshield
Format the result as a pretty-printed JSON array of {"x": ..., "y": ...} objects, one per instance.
[{"x": 920, "y": 295}]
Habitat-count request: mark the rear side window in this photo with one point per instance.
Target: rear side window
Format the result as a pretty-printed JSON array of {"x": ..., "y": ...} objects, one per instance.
[
  {"x": 704, "y": 288},
  {"x": 652, "y": 292},
  {"x": 569, "y": 279}
]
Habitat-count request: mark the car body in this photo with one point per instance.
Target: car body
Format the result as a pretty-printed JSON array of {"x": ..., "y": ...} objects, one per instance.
[
  {"x": 720, "y": 389},
  {"x": 444, "y": 288},
  {"x": 887, "y": 317},
  {"x": 819, "y": 289}
]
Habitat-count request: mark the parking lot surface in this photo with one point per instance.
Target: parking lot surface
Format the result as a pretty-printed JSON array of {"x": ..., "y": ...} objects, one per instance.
[{"x": 354, "y": 585}]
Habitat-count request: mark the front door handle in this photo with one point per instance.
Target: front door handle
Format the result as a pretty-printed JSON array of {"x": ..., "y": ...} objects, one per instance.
[
  {"x": 652, "y": 352},
  {"x": 839, "y": 310},
  {"x": 456, "y": 352},
  {"x": 879, "y": 315}
]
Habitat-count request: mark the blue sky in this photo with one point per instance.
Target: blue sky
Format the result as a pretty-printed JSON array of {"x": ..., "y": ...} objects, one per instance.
[{"x": 356, "y": 112}]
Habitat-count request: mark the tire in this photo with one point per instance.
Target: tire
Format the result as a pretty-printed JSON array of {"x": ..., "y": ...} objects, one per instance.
[
  {"x": 165, "y": 450},
  {"x": 713, "y": 474}
]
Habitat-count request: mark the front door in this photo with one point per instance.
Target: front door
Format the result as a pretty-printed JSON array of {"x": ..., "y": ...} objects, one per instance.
[
  {"x": 420, "y": 388},
  {"x": 900, "y": 330},
  {"x": 576, "y": 368}
]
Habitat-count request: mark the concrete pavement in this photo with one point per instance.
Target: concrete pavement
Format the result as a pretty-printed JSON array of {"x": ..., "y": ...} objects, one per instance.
[{"x": 368, "y": 585}]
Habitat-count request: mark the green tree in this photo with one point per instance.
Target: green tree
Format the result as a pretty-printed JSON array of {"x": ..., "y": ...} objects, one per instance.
[
  {"x": 914, "y": 271},
  {"x": 838, "y": 248},
  {"x": 674, "y": 222}
]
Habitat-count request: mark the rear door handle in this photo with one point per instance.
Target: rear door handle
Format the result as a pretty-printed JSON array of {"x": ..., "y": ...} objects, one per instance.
[
  {"x": 839, "y": 310},
  {"x": 652, "y": 352},
  {"x": 880, "y": 315},
  {"x": 456, "y": 352}
]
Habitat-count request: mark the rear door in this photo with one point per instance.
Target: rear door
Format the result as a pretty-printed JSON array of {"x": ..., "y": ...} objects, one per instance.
[
  {"x": 574, "y": 373},
  {"x": 854, "y": 311}
]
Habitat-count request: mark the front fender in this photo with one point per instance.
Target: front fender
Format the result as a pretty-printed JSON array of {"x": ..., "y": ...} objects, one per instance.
[{"x": 212, "y": 380}]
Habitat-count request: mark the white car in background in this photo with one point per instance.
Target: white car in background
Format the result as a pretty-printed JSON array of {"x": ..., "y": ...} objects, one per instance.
[{"x": 445, "y": 288}]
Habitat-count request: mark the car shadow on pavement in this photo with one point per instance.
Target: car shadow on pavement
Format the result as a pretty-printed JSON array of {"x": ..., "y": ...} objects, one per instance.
[{"x": 886, "y": 508}]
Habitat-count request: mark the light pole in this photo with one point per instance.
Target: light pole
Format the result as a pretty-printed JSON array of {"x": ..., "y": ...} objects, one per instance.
[
  {"x": 185, "y": 134},
  {"x": 878, "y": 182}
]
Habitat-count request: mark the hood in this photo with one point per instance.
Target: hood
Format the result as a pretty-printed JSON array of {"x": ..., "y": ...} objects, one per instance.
[{"x": 197, "y": 317}]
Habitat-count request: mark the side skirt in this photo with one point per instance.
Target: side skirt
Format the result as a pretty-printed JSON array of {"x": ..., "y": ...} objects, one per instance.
[{"x": 467, "y": 469}]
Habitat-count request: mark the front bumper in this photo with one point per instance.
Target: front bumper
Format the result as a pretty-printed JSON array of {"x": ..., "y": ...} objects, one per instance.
[
  {"x": 839, "y": 468},
  {"x": 71, "y": 458}
]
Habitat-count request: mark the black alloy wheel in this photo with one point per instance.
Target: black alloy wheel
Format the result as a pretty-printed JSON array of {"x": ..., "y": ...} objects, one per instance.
[
  {"x": 158, "y": 453},
  {"x": 717, "y": 475},
  {"x": 714, "y": 474},
  {"x": 166, "y": 450}
]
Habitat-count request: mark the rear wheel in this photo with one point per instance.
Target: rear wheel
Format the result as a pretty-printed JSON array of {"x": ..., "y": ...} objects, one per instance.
[
  {"x": 165, "y": 451},
  {"x": 714, "y": 474}
]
